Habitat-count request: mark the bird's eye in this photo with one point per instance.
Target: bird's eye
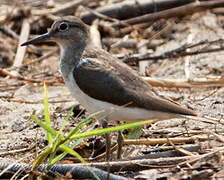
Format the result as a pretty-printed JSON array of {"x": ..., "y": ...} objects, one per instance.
[{"x": 63, "y": 26}]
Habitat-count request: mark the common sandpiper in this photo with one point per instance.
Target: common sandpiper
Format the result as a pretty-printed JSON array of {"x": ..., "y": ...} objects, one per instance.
[{"x": 99, "y": 81}]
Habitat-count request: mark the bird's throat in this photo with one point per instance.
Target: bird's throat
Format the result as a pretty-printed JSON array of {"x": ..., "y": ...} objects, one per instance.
[{"x": 70, "y": 56}]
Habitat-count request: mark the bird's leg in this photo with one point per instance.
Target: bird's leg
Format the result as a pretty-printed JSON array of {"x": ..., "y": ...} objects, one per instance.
[
  {"x": 108, "y": 144},
  {"x": 108, "y": 141},
  {"x": 120, "y": 144}
]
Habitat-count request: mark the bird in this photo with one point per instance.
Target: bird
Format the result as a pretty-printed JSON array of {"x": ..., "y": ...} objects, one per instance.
[{"x": 101, "y": 82}]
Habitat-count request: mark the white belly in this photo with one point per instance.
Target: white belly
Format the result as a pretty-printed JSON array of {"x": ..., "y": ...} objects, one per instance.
[{"x": 110, "y": 111}]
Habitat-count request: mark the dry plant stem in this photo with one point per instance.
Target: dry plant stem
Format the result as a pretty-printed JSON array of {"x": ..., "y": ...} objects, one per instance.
[
  {"x": 183, "y": 83},
  {"x": 191, "y": 8},
  {"x": 142, "y": 49},
  {"x": 157, "y": 141},
  {"x": 137, "y": 165},
  {"x": 103, "y": 155},
  {"x": 16, "y": 151},
  {"x": 208, "y": 95},
  {"x": 179, "y": 149},
  {"x": 201, "y": 157},
  {"x": 47, "y": 55},
  {"x": 21, "y": 78},
  {"x": 65, "y": 9},
  {"x": 178, "y": 52},
  {"x": 95, "y": 35},
  {"x": 128, "y": 43},
  {"x": 102, "y": 16},
  {"x": 12, "y": 99},
  {"x": 9, "y": 32},
  {"x": 21, "y": 50},
  {"x": 105, "y": 17},
  {"x": 218, "y": 137},
  {"x": 141, "y": 164},
  {"x": 189, "y": 147},
  {"x": 167, "y": 153},
  {"x": 157, "y": 82},
  {"x": 187, "y": 70},
  {"x": 131, "y": 8},
  {"x": 129, "y": 29}
]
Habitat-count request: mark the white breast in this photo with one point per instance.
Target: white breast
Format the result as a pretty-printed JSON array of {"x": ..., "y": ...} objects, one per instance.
[{"x": 111, "y": 112}]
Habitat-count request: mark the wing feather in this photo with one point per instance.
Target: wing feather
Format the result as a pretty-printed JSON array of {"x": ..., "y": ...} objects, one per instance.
[{"x": 116, "y": 83}]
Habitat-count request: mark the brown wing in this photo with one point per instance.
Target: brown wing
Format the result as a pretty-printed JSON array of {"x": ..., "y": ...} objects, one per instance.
[{"x": 115, "y": 83}]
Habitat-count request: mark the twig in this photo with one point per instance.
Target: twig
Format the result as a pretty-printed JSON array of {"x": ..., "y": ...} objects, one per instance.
[
  {"x": 21, "y": 78},
  {"x": 142, "y": 164},
  {"x": 12, "y": 99},
  {"x": 201, "y": 157},
  {"x": 187, "y": 69},
  {"x": 156, "y": 141},
  {"x": 37, "y": 59},
  {"x": 127, "y": 43},
  {"x": 42, "y": 57},
  {"x": 105, "y": 17},
  {"x": 102, "y": 16},
  {"x": 21, "y": 50},
  {"x": 103, "y": 155},
  {"x": 207, "y": 96},
  {"x": 9, "y": 32},
  {"x": 180, "y": 149},
  {"x": 183, "y": 83},
  {"x": 95, "y": 35},
  {"x": 142, "y": 48},
  {"x": 176, "y": 53},
  {"x": 16, "y": 151},
  {"x": 65, "y": 9},
  {"x": 169, "y": 83},
  {"x": 165, "y": 148},
  {"x": 190, "y": 8},
  {"x": 131, "y": 8},
  {"x": 169, "y": 153}
]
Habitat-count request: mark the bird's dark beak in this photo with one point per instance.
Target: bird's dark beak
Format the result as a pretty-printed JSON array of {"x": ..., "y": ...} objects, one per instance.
[{"x": 37, "y": 39}]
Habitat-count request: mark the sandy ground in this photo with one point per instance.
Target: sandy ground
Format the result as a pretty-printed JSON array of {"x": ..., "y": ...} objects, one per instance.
[{"x": 17, "y": 131}]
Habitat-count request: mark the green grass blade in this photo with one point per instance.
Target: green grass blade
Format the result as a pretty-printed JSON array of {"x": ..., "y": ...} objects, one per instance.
[
  {"x": 75, "y": 154},
  {"x": 70, "y": 151},
  {"x": 62, "y": 155},
  {"x": 65, "y": 120},
  {"x": 135, "y": 133},
  {"x": 111, "y": 129},
  {"x": 49, "y": 129},
  {"x": 47, "y": 113},
  {"x": 81, "y": 124},
  {"x": 41, "y": 158}
]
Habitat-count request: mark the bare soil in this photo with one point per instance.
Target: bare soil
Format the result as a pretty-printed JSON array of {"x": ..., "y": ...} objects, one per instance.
[{"x": 19, "y": 99}]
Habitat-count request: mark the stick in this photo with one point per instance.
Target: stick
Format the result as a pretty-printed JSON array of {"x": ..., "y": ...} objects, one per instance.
[
  {"x": 65, "y": 9},
  {"x": 183, "y": 83},
  {"x": 157, "y": 82},
  {"x": 181, "y": 51},
  {"x": 95, "y": 35},
  {"x": 191, "y": 8},
  {"x": 169, "y": 153},
  {"x": 142, "y": 164},
  {"x": 157, "y": 141},
  {"x": 21, "y": 50},
  {"x": 131, "y": 8},
  {"x": 21, "y": 78}
]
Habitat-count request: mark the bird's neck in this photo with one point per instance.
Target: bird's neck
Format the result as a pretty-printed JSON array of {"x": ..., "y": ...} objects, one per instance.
[{"x": 71, "y": 54}]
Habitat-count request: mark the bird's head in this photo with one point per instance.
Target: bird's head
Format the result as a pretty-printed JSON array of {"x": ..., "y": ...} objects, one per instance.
[{"x": 64, "y": 31}]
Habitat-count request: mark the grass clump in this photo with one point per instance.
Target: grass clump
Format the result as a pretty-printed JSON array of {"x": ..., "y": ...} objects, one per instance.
[{"x": 59, "y": 140}]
